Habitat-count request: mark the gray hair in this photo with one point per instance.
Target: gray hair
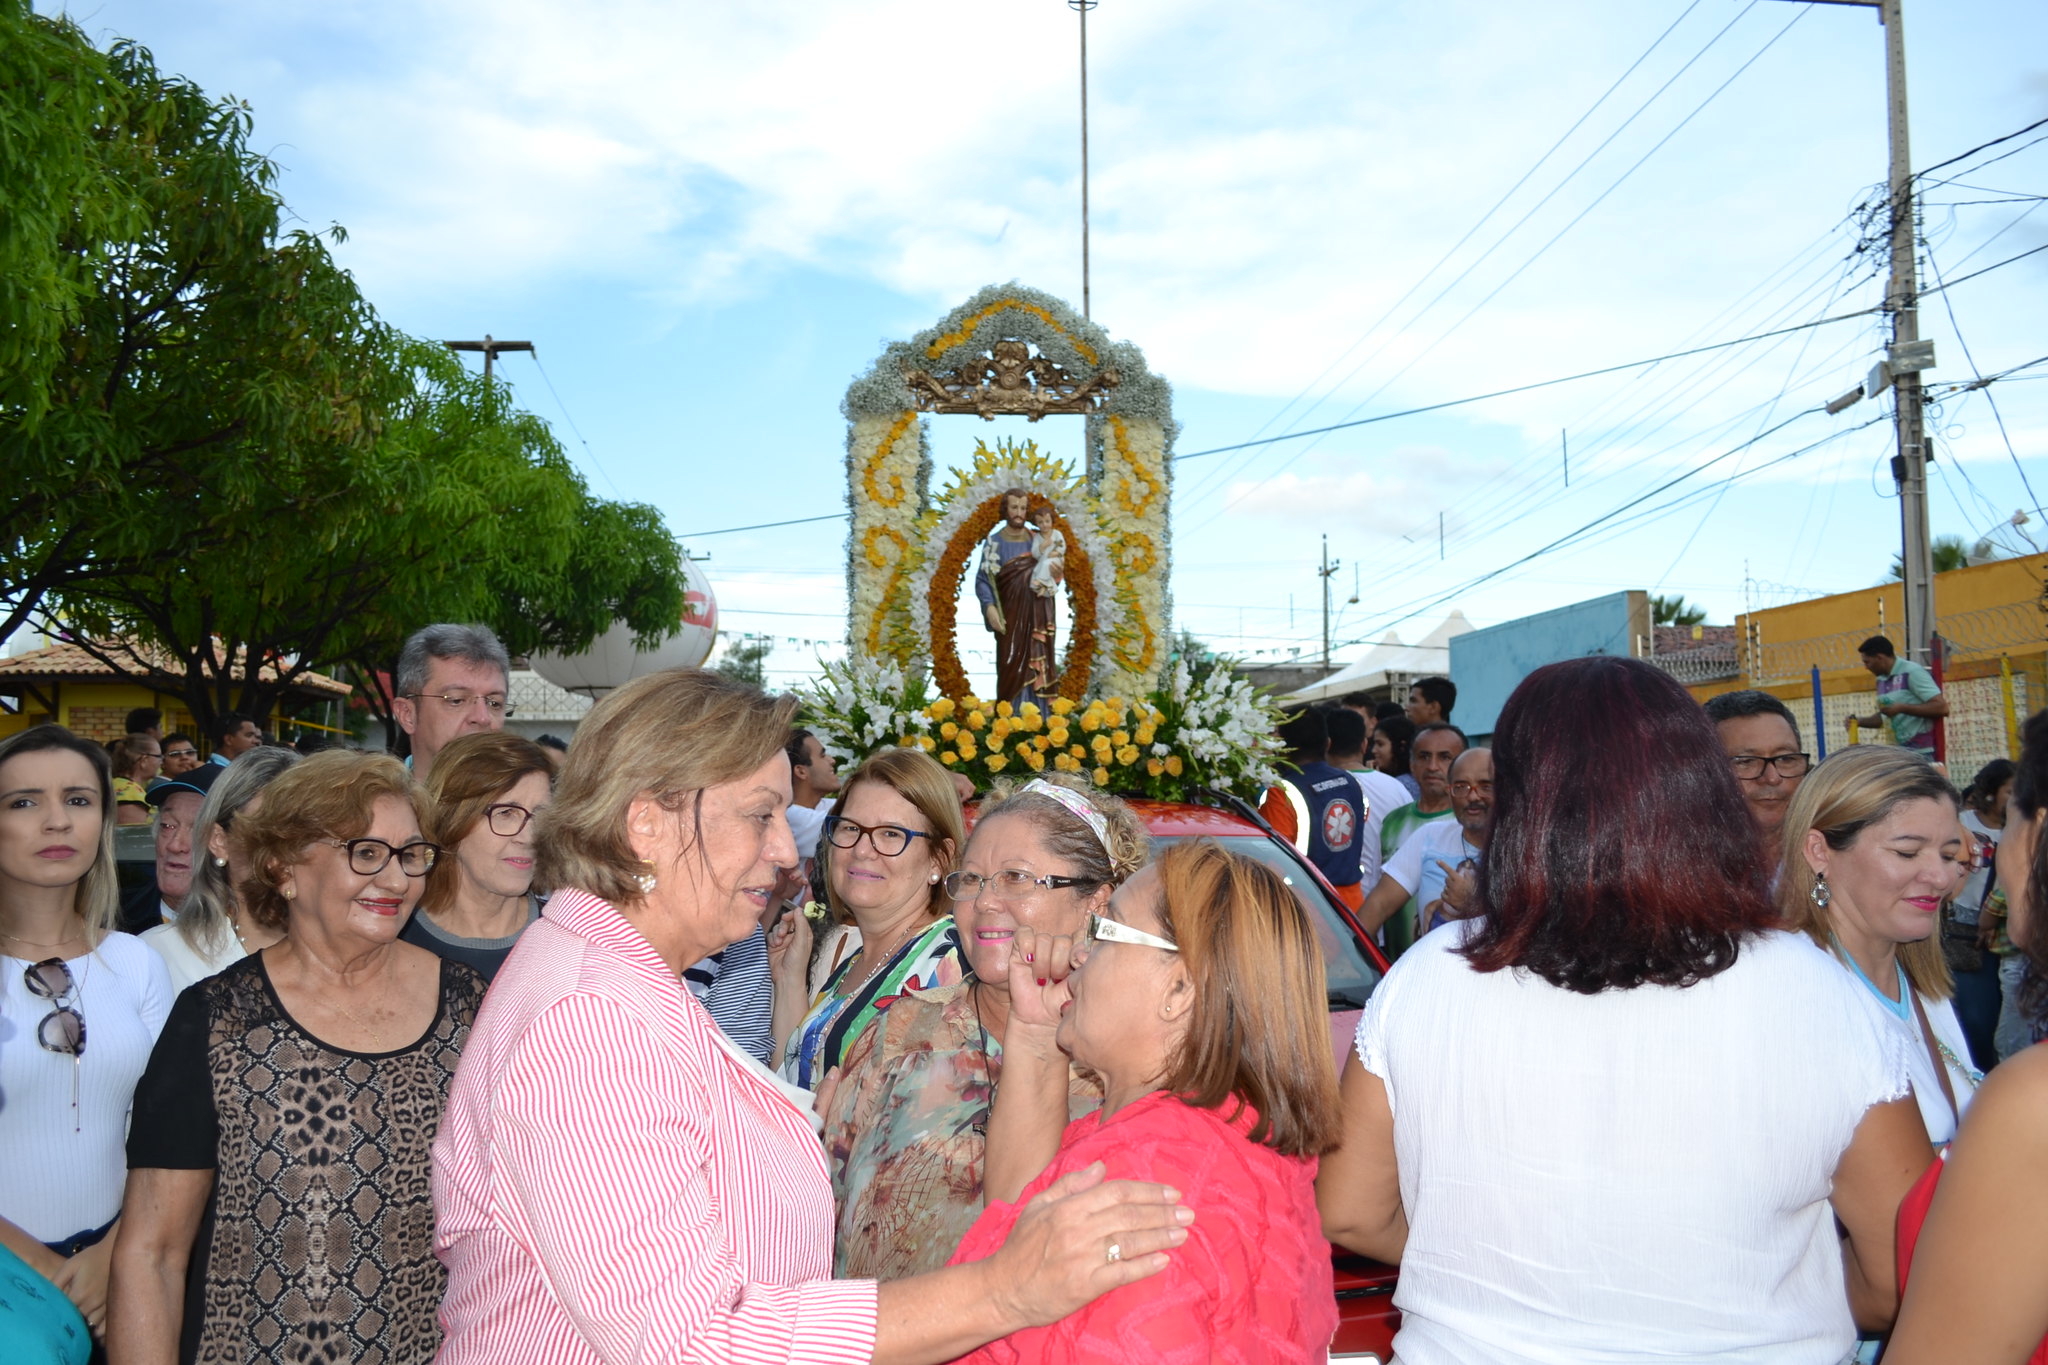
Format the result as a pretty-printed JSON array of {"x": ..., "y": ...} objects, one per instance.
[
  {"x": 203, "y": 920},
  {"x": 474, "y": 643}
]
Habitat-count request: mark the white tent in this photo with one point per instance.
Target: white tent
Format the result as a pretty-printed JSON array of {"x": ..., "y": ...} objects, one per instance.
[{"x": 1389, "y": 664}]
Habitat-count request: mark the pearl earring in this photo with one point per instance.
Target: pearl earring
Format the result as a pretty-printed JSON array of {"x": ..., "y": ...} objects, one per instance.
[
  {"x": 645, "y": 881},
  {"x": 220, "y": 862}
]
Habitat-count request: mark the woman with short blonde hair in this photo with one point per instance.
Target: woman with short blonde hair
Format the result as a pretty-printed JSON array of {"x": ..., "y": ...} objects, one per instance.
[
  {"x": 289, "y": 1110},
  {"x": 1872, "y": 848},
  {"x": 615, "y": 1177}
]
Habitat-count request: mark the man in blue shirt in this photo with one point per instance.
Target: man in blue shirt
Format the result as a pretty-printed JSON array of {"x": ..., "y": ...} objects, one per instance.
[{"x": 1907, "y": 695}]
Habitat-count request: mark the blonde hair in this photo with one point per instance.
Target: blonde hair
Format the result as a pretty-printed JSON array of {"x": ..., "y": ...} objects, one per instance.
[
  {"x": 1841, "y": 798},
  {"x": 1258, "y": 1032},
  {"x": 469, "y": 776},
  {"x": 916, "y": 777},
  {"x": 96, "y": 898},
  {"x": 669, "y": 735},
  {"x": 1107, "y": 861},
  {"x": 330, "y": 795}
]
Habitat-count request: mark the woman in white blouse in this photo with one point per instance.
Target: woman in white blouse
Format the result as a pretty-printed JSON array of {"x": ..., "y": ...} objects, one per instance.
[
  {"x": 80, "y": 1008},
  {"x": 1617, "y": 1114},
  {"x": 1873, "y": 847}
]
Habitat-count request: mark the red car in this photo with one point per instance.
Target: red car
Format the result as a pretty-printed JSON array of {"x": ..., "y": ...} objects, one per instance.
[{"x": 1366, "y": 1316}]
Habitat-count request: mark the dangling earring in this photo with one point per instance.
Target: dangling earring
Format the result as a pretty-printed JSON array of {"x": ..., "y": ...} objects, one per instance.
[
  {"x": 645, "y": 881},
  {"x": 1821, "y": 894}
]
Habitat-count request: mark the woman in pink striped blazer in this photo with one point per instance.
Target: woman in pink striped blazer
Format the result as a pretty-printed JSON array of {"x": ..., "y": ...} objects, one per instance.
[{"x": 616, "y": 1182}]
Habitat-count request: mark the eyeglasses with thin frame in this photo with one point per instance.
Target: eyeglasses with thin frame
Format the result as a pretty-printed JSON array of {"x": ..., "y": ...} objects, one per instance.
[
  {"x": 62, "y": 1030},
  {"x": 1749, "y": 767},
  {"x": 1101, "y": 930},
  {"x": 181, "y": 753},
  {"x": 507, "y": 818},
  {"x": 497, "y": 703},
  {"x": 368, "y": 857},
  {"x": 1008, "y": 884},
  {"x": 887, "y": 840}
]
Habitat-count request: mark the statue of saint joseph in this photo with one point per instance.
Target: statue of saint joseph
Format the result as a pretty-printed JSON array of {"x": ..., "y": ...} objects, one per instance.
[{"x": 1023, "y": 563}]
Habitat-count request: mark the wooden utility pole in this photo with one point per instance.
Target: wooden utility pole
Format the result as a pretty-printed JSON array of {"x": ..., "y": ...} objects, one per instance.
[{"x": 489, "y": 347}]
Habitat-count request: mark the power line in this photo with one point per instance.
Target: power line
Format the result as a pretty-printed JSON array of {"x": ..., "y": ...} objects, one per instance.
[
  {"x": 763, "y": 526},
  {"x": 1986, "y": 146},
  {"x": 572, "y": 423},
  {"x": 1978, "y": 376}
]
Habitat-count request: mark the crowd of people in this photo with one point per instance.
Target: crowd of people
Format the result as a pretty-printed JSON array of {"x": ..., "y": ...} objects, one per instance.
[{"x": 682, "y": 1045}]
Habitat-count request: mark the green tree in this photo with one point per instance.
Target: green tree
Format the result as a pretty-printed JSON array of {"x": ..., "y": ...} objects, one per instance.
[
  {"x": 171, "y": 358},
  {"x": 1950, "y": 552},
  {"x": 463, "y": 509},
  {"x": 1675, "y": 611},
  {"x": 746, "y": 659}
]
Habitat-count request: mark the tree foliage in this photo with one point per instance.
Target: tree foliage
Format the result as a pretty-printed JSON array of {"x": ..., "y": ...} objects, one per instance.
[
  {"x": 1675, "y": 611},
  {"x": 210, "y": 444},
  {"x": 1950, "y": 552},
  {"x": 746, "y": 660}
]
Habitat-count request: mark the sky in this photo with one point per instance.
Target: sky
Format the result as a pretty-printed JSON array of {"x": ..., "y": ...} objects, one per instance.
[{"x": 709, "y": 218}]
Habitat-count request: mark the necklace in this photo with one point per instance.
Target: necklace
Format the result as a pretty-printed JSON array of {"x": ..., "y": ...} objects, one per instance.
[
  {"x": 46, "y": 947},
  {"x": 881, "y": 960}
]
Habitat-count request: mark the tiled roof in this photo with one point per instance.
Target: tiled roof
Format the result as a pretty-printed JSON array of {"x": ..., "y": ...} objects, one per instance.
[{"x": 67, "y": 662}]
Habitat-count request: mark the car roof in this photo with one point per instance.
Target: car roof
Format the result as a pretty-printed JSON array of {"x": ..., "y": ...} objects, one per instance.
[{"x": 1179, "y": 819}]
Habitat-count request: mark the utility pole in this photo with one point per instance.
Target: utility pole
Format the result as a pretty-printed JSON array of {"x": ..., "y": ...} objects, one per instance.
[
  {"x": 1908, "y": 356},
  {"x": 1330, "y": 566},
  {"x": 1082, "y": 7},
  {"x": 489, "y": 347}
]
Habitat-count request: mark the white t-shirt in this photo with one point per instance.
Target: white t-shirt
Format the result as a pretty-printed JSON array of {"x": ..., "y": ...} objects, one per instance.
[
  {"x": 1629, "y": 1175},
  {"x": 184, "y": 962},
  {"x": 62, "y": 1170},
  {"x": 807, "y": 823},
  {"x": 1418, "y": 865},
  {"x": 1941, "y": 1120},
  {"x": 1383, "y": 796}
]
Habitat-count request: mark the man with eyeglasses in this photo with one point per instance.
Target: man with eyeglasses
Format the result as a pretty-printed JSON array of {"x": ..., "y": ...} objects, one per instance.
[
  {"x": 181, "y": 756},
  {"x": 1761, "y": 738},
  {"x": 452, "y": 680},
  {"x": 1437, "y": 868}
]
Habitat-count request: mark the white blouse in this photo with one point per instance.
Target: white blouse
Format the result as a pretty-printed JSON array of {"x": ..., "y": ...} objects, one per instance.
[
  {"x": 1625, "y": 1175},
  {"x": 187, "y": 964},
  {"x": 62, "y": 1169}
]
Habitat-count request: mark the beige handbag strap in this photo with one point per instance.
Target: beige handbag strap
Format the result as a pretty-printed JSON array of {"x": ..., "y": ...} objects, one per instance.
[{"x": 1934, "y": 1054}]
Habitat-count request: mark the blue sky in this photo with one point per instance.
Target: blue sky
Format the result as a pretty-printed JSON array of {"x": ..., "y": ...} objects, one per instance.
[{"x": 709, "y": 218}]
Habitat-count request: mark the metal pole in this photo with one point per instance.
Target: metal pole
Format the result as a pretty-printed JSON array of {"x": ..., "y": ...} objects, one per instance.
[
  {"x": 1326, "y": 602},
  {"x": 1082, "y": 7},
  {"x": 1820, "y": 718},
  {"x": 1903, "y": 302}
]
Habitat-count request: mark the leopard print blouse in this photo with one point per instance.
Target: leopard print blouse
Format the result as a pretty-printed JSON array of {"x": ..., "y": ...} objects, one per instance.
[{"x": 318, "y": 1240}]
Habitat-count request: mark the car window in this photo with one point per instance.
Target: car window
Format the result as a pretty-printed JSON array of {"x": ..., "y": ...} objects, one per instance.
[{"x": 1349, "y": 971}]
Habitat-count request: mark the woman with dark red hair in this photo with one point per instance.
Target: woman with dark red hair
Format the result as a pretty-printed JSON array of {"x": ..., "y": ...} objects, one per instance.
[{"x": 1617, "y": 1114}]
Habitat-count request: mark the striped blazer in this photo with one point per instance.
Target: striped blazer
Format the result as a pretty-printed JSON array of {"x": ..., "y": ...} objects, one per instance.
[{"x": 614, "y": 1183}]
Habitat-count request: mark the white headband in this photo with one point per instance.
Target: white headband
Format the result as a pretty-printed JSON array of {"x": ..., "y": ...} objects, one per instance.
[{"x": 1081, "y": 807}]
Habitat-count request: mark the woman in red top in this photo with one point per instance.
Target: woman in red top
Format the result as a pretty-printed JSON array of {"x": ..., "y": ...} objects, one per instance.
[
  {"x": 1198, "y": 999},
  {"x": 1973, "y": 1234}
]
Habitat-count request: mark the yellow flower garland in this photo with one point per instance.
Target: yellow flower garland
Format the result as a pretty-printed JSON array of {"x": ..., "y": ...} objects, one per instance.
[{"x": 966, "y": 330}]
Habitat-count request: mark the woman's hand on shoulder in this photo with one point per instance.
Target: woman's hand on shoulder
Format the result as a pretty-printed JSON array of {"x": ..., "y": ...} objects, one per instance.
[
  {"x": 1039, "y": 967},
  {"x": 1081, "y": 1237}
]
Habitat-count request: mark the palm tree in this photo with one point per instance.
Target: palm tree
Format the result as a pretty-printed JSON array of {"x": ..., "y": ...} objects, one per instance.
[
  {"x": 1949, "y": 553},
  {"x": 1675, "y": 611}
]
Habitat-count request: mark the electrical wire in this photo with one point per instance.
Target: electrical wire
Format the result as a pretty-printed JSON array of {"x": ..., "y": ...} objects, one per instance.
[
  {"x": 594, "y": 463},
  {"x": 1978, "y": 376}
]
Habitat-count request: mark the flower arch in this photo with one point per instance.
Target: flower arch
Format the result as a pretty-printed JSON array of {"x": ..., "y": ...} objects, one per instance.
[{"x": 1011, "y": 350}]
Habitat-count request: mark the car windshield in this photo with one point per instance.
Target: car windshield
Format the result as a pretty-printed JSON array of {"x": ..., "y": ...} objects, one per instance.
[{"x": 1350, "y": 972}]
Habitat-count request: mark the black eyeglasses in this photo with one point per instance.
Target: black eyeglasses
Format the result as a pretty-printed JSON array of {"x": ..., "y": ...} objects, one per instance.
[
  {"x": 368, "y": 857},
  {"x": 506, "y": 819},
  {"x": 63, "y": 1028},
  {"x": 1749, "y": 767},
  {"x": 497, "y": 703},
  {"x": 887, "y": 840},
  {"x": 1008, "y": 884}
]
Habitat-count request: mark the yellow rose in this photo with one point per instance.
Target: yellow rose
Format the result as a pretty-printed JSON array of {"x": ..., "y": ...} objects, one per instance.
[
  {"x": 907, "y": 742},
  {"x": 1127, "y": 755},
  {"x": 924, "y": 742},
  {"x": 976, "y": 721},
  {"x": 1100, "y": 744},
  {"x": 1120, "y": 738},
  {"x": 1030, "y": 708},
  {"x": 996, "y": 763},
  {"x": 1004, "y": 710},
  {"x": 948, "y": 730},
  {"x": 1155, "y": 766},
  {"x": 1145, "y": 734},
  {"x": 1090, "y": 720},
  {"x": 1035, "y": 759},
  {"x": 1057, "y": 734},
  {"x": 949, "y": 758},
  {"x": 1000, "y": 728},
  {"x": 1062, "y": 705},
  {"x": 1101, "y": 776},
  {"x": 940, "y": 709},
  {"x": 1077, "y": 751},
  {"x": 1158, "y": 717},
  {"x": 1041, "y": 743},
  {"x": 967, "y": 747},
  {"x": 1173, "y": 765},
  {"x": 995, "y": 744}
]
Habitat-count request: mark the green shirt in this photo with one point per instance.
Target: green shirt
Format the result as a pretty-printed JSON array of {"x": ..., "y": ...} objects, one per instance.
[
  {"x": 1907, "y": 682},
  {"x": 1399, "y": 931}
]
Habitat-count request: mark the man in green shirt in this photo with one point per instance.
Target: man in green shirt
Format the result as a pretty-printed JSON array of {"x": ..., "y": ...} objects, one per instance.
[
  {"x": 1907, "y": 696},
  {"x": 1389, "y": 903}
]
